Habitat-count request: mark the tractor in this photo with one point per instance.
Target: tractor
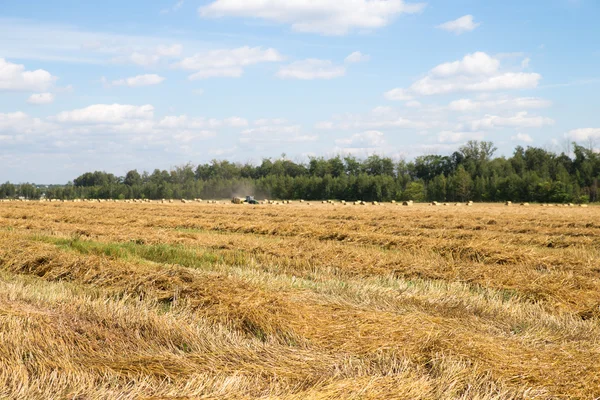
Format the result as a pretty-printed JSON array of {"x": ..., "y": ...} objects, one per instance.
[{"x": 248, "y": 200}]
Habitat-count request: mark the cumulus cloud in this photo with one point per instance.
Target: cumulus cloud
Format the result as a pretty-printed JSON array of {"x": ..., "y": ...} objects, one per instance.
[
  {"x": 520, "y": 120},
  {"x": 174, "y": 8},
  {"x": 106, "y": 113},
  {"x": 357, "y": 57},
  {"x": 330, "y": 17},
  {"x": 584, "y": 134},
  {"x": 267, "y": 121},
  {"x": 145, "y": 57},
  {"x": 380, "y": 118},
  {"x": 362, "y": 144},
  {"x": 468, "y": 105},
  {"x": 398, "y": 94},
  {"x": 227, "y": 62},
  {"x": 41, "y": 98},
  {"x": 363, "y": 140},
  {"x": 522, "y": 137},
  {"x": 457, "y": 137},
  {"x": 139, "y": 80},
  {"x": 14, "y": 77},
  {"x": 273, "y": 134},
  {"x": 477, "y": 72},
  {"x": 460, "y": 25},
  {"x": 236, "y": 122},
  {"x": 21, "y": 123},
  {"x": 311, "y": 69}
]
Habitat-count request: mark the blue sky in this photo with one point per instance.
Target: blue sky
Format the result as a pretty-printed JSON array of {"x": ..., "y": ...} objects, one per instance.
[{"x": 118, "y": 85}]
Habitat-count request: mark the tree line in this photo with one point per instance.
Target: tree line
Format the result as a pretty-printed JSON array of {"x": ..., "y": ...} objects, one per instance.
[{"x": 471, "y": 173}]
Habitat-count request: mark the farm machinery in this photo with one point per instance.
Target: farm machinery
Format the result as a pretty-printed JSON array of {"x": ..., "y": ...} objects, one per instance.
[{"x": 247, "y": 200}]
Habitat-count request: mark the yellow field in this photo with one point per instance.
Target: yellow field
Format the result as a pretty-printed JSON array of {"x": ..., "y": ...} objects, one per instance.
[{"x": 182, "y": 301}]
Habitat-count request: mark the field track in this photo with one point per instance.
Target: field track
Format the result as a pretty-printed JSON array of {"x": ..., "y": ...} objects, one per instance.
[{"x": 210, "y": 301}]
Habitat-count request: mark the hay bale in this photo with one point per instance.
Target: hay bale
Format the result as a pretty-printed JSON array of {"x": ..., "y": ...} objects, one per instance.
[
  {"x": 407, "y": 203},
  {"x": 583, "y": 205},
  {"x": 525, "y": 204},
  {"x": 435, "y": 203},
  {"x": 508, "y": 203}
]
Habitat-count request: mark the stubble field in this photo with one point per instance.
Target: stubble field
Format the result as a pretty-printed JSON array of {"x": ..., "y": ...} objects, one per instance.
[{"x": 185, "y": 301}]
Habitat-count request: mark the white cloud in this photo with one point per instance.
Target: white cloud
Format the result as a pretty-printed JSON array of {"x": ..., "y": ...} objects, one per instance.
[
  {"x": 190, "y": 136},
  {"x": 380, "y": 118},
  {"x": 266, "y": 121},
  {"x": 475, "y": 64},
  {"x": 235, "y": 72},
  {"x": 367, "y": 139},
  {"x": 520, "y": 120},
  {"x": 145, "y": 57},
  {"x": 236, "y": 122},
  {"x": 584, "y": 134},
  {"x": 139, "y": 80},
  {"x": 21, "y": 123},
  {"x": 525, "y": 62},
  {"x": 273, "y": 134},
  {"x": 363, "y": 144},
  {"x": 41, "y": 98},
  {"x": 175, "y": 7},
  {"x": 325, "y": 125},
  {"x": 357, "y": 57},
  {"x": 227, "y": 151},
  {"x": 15, "y": 77},
  {"x": 330, "y": 17},
  {"x": 460, "y": 25},
  {"x": 522, "y": 137},
  {"x": 456, "y": 137},
  {"x": 477, "y": 72},
  {"x": 173, "y": 50},
  {"x": 227, "y": 62},
  {"x": 468, "y": 105},
  {"x": 106, "y": 113},
  {"x": 311, "y": 69},
  {"x": 398, "y": 94},
  {"x": 413, "y": 104}
]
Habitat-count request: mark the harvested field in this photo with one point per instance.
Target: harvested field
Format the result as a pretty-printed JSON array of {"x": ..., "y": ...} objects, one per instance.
[{"x": 186, "y": 301}]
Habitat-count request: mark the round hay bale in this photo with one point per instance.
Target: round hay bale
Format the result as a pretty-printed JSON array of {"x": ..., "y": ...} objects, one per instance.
[{"x": 525, "y": 204}]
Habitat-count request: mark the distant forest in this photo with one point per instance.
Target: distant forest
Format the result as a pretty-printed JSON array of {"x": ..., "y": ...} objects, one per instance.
[{"x": 470, "y": 173}]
